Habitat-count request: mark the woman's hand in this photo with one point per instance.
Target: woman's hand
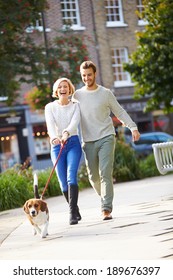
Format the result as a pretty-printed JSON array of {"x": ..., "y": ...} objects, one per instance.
[
  {"x": 56, "y": 141},
  {"x": 65, "y": 136}
]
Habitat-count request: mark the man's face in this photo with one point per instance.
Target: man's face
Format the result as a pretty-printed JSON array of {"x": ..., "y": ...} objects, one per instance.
[{"x": 88, "y": 77}]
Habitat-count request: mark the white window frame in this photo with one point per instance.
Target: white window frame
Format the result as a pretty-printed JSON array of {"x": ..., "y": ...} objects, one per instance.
[
  {"x": 140, "y": 8},
  {"x": 120, "y": 56},
  {"x": 3, "y": 98},
  {"x": 114, "y": 10},
  {"x": 38, "y": 26},
  {"x": 67, "y": 14}
]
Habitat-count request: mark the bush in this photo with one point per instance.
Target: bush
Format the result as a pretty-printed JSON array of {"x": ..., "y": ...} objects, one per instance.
[
  {"x": 38, "y": 97},
  {"x": 83, "y": 181},
  {"x": 53, "y": 186},
  {"x": 15, "y": 188},
  {"x": 126, "y": 164},
  {"x": 148, "y": 167}
]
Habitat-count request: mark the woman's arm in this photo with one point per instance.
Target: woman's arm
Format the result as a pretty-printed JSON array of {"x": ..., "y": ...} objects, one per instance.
[
  {"x": 73, "y": 125},
  {"x": 50, "y": 122}
]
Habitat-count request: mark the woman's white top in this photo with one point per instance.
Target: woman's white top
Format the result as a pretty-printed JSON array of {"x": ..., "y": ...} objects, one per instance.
[{"x": 60, "y": 118}]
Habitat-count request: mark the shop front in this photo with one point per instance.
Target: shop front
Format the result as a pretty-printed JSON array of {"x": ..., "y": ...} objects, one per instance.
[
  {"x": 13, "y": 143},
  {"x": 23, "y": 137},
  {"x": 38, "y": 140}
]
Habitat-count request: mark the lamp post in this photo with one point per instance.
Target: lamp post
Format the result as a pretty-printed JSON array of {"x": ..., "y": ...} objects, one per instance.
[{"x": 47, "y": 51}]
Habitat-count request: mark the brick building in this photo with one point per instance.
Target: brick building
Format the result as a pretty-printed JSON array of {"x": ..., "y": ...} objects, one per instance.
[{"x": 111, "y": 27}]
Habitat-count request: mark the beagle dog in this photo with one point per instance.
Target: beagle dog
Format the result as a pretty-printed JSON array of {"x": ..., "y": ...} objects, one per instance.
[{"x": 37, "y": 212}]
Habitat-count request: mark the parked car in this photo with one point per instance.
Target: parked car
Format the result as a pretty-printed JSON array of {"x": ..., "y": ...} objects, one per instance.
[{"x": 143, "y": 147}]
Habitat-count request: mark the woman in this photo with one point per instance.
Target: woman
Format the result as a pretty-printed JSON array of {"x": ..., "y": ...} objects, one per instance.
[{"x": 62, "y": 119}]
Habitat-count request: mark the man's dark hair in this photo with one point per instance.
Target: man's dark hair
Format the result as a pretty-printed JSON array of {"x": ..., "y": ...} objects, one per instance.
[{"x": 88, "y": 64}]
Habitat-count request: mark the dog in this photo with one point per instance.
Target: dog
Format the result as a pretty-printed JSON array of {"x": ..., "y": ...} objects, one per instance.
[{"x": 37, "y": 212}]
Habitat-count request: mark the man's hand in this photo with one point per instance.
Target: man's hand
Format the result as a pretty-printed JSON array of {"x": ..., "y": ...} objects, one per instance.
[{"x": 135, "y": 135}]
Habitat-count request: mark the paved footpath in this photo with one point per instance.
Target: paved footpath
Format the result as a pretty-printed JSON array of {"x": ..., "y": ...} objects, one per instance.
[{"x": 142, "y": 228}]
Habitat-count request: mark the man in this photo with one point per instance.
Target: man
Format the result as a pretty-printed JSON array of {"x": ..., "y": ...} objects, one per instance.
[{"x": 98, "y": 133}]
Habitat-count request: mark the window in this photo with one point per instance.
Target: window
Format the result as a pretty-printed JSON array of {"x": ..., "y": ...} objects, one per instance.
[
  {"x": 114, "y": 13},
  {"x": 140, "y": 9},
  {"x": 70, "y": 14},
  {"x": 122, "y": 78},
  {"x": 9, "y": 148},
  {"x": 41, "y": 141},
  {"x": 3, "y": 98},
  {"x": 38, "y": 26}
]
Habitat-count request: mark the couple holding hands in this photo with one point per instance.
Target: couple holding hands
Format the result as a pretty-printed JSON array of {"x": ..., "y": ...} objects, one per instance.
[{"x": 89, "y": 107}]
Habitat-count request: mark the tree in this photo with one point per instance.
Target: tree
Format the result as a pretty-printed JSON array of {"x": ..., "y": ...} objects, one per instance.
[
  {"x": 151, "y": 65},
  {"x": 17, "y": 52},
  {"x": 66, "y": 52},
  {"x": 21, "y": 60}
]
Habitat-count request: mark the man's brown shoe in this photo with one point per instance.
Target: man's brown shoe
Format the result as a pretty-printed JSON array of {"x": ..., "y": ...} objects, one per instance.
[{"x": 107, "y": 215}]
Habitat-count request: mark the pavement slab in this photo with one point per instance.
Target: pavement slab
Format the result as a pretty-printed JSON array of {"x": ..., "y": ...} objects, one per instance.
[{"x": 141, "y": 228}]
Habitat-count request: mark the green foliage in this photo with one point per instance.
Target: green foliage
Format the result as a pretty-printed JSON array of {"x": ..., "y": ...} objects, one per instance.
[
  {"x": 148, "y": 167},
  {"x": 17, "y": 53},
  {"x": 151, "y": 65},
  {"x": 66, "y": 53},
  {"x": 38, "y": 97},
  {"x": 18, "y": 14},
  {"x": 53, "y": 186},
  {"x": 69, "y": 48},
  {"x": 83, "y": 181},
  {"x": 15, "y": 188},
  {"x": 126, "y": 164},
  {"x": 22, "y": 60}
]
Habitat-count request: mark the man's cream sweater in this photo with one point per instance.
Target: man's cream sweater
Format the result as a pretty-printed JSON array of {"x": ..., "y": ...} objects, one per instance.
[{"x": 96, "y": 107}]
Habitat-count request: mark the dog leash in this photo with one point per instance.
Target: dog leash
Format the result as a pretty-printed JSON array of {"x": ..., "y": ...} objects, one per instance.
[{"x": 50, "y": 176}]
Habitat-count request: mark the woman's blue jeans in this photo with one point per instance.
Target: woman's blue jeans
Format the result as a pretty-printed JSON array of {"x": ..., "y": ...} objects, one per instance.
[{"x": 68, "y": 163}]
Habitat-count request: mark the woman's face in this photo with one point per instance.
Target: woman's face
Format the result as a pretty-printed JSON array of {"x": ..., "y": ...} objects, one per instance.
[{"x": 63, "y": 90}]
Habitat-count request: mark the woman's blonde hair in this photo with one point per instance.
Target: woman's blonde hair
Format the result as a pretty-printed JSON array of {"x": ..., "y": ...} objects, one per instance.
[{"x": 57, "y": 83}]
